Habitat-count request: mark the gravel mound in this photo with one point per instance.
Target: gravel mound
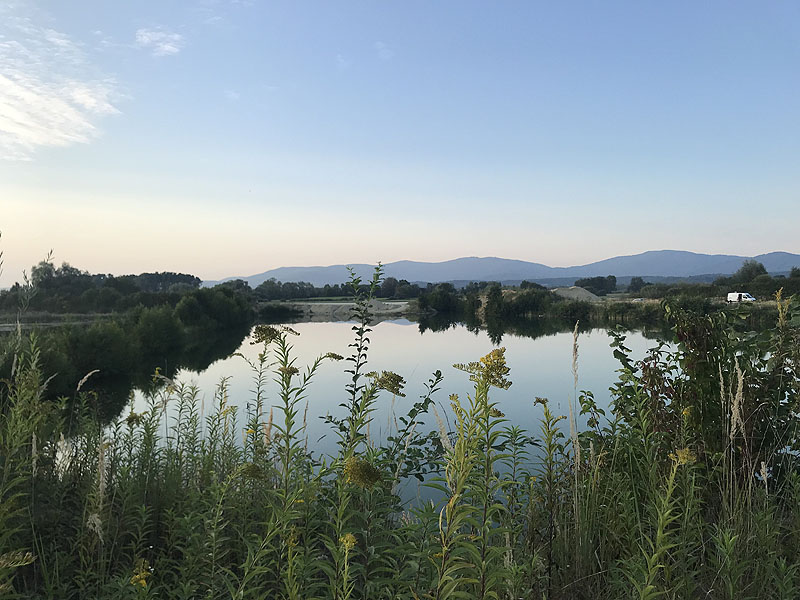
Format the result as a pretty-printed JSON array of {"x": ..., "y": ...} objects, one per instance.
[{"x": 576, "y": 293}]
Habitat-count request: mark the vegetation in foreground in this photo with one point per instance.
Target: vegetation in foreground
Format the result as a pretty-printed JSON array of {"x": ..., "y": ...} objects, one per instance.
[{"x": 689, "y": 487}]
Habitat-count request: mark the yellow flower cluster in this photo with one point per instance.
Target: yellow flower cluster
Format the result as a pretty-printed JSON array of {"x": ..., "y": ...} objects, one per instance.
[
  {"x": 133, "y": 419},
  {"x": 141, "y": 572},
  {"x": 289, "y": 371},
  {"x": 252, "y": 471},
  {"x": 389, "y": 381},
  {"x": 495, "y": 368},
  {"x": 348, "y": 541},
  {"x": 360, "y": 472},
  {"x": 491, "y": 369},
  {"x": 293, "y": 539},
  {"x": 683, "y": 456},
  {"x": 265, "y": 334}
]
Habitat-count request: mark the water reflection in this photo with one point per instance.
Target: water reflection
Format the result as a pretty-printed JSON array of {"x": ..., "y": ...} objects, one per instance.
[
  {"x": 534, "y": 328},
  {"x": 540, "y": 366},
  {"x": 117, "y": 361}
]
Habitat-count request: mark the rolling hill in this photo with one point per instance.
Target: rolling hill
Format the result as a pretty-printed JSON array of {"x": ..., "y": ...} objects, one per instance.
[{"x": 655, "y": 263}]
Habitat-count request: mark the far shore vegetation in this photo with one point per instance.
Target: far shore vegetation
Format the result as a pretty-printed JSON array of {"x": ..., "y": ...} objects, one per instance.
[{"x": 66, "y": 291}]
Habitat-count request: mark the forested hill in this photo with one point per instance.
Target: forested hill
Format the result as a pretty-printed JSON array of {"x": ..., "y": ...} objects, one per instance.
[{"x": 657, "y": 263}]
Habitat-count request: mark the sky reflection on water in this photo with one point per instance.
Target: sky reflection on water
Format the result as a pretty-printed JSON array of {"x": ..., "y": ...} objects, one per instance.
[{"x": 539, "y": 367}]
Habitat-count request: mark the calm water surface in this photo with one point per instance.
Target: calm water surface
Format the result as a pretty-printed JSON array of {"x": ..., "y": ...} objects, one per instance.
[{"x": 539, "y": 367}]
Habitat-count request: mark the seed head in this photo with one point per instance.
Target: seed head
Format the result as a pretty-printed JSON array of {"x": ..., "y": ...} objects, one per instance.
[
  {"x": 347, "y": 541},
  {"x": 141, "y": 571},
  {"x": 491, "y": 369},
  {"x": 683, "y": 456},
  {"x": 360, "y": 472},
  {"x": 389, "y": 381},
  {"x": 265, "y": 334},
  {"x": 288, "y": 371}
]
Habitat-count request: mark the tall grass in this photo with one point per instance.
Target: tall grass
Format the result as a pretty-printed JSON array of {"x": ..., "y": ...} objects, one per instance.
[{"x": 688, "y": 488}]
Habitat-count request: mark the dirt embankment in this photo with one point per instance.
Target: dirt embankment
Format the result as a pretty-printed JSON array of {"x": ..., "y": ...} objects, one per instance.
[
  {"x": 576, "y": 293},
  {"x": 342, "y": 311}
]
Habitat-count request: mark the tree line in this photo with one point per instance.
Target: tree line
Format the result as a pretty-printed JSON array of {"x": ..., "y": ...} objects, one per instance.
[
  {"x": 272, "y": 289},
  {"x": 752, "y": 277},
  {"x": 69, "y": 289}
]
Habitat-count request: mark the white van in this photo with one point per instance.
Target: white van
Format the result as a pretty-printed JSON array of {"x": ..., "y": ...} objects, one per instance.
[{"x": 740, "y": 297}]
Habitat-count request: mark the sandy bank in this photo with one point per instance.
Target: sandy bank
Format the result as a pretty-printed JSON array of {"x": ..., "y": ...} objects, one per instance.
[
  {"x": 576, "y": 293},
  {"x": 341, "y": 311}
]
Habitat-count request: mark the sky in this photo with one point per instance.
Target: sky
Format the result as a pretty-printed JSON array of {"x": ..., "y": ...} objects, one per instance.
[{"x": 228, "y": 137}]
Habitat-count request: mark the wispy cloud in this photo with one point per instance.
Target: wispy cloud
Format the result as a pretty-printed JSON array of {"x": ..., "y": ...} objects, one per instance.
[
  {"x": 342, "y": 63},
  {"x": 105, "y": 42},
  {"x": 50, "y": 95},
  {"x": 232, "y": 95},
  {"x": 160, "y": 41},
  {"x": 218, "y": 12},
  {"x": 384, "y": 51}
]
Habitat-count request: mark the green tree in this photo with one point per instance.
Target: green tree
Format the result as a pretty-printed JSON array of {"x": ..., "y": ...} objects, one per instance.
[
  {"x": 442, "y": 298},
  {"x": 43, "y": 272},
  {"x": 636, "y": 284},
  {"x": 525, "y": 285},
  {"x": 388, "y": 287},
  {"x": 494, "y": 301},
  {"x": 749, "y": 270},
  {"x": 159, "y": 334},
  {"x": 270, "y": 289},
  {"x": 190, "y": 312},
  {"x": 599, "y": 286}
]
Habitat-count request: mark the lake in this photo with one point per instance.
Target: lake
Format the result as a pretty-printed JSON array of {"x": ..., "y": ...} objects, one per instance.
[{"x": 539, "y": 366}]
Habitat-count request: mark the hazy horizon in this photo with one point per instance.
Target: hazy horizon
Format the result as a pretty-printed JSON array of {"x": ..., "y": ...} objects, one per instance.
[
  {"x": 230, "y": 137},
  {"x": 233, "y": 274}
]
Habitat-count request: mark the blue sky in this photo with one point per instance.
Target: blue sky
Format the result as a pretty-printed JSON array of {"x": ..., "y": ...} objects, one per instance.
[{"x": 224, "y": 137}]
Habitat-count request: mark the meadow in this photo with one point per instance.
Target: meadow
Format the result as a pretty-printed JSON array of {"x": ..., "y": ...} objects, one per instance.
[{"x": 687, "y": 487}]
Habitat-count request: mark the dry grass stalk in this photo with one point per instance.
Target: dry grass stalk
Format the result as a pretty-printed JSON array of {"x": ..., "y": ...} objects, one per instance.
[
  {"x": 305, "y": 429},
  {"x": 85, "y": 379},
  {"x": 34, "y": 453},
  {"x": 573, "y": 424},
  {"x": 443, "y": 437},
  {"x": 63, "y": 456},
  {"x": 93, "y": 522},
  {"x": 737, "y": 423},
  {"x": 16, "y": 559},
  {"x": 407, "y": 443},
  {"x": 268, "y": 429},
  {"x": 573, "y": 431}
]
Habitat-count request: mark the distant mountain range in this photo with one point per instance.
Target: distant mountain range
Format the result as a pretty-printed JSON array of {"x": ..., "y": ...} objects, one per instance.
[{"x": 656, "y": 264}]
